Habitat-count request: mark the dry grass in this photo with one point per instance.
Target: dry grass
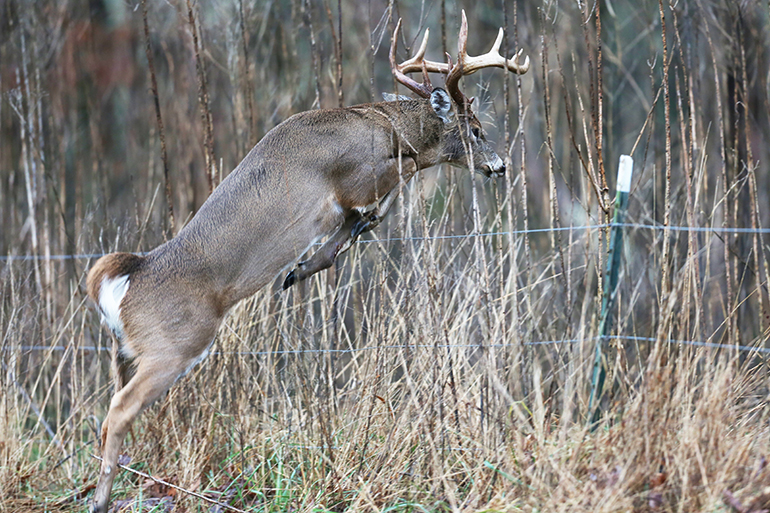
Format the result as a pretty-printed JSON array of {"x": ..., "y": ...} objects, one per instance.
[
  {"x": 411, "y": 390},
  {"x": 435, "y": 370}
]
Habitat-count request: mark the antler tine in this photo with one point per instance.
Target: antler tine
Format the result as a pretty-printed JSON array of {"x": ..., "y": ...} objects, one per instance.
[
  {"x": 493, "y": 59},
  {"x": 467, "y": 65},
  {"x": 425, "y": 77},
  {"x": 452, "y": 81},
  {"x": 420, "y": 89},
  {"x": 416, "y": 64}
]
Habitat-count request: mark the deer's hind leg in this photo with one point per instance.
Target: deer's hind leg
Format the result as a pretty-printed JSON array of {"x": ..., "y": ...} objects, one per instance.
[{"x": 154, "y": 375}]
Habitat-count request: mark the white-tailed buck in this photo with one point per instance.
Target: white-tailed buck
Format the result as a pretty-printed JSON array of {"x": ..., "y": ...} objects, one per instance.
[{"x": 311, "y": 177}]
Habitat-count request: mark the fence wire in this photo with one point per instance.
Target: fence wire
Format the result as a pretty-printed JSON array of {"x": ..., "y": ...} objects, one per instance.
[
  {"x": 351, "y": 350},
  {"x": 639, "y": 226}
]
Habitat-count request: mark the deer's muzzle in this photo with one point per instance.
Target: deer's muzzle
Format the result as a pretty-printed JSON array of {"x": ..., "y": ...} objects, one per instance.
[{"x": 493, "y": 167}]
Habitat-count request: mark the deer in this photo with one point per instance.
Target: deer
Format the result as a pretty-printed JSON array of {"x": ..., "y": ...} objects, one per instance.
[{"x": 321, "y": 174}]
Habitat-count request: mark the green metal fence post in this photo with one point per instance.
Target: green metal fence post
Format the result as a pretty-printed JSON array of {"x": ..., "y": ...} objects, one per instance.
[{"x": 625, "y": 172}]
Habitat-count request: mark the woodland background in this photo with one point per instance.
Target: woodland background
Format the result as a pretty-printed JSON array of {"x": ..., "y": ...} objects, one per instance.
[{"x": 446, "y": 363}]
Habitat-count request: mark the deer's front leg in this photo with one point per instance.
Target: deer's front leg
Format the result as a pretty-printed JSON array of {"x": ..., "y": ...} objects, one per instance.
[
  {"x": 355, "y": 224},
  {"x": 352, "y": 191},
  {"x": 374, "y": 217},
  {"x": 388, "y": 176}
]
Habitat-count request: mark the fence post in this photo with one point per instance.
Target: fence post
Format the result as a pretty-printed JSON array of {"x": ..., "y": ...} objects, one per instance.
[{"x": 625, "y": 171}]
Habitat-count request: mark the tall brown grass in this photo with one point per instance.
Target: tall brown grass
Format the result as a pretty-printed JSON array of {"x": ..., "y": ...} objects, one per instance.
[{"x": 445, "y": 365}]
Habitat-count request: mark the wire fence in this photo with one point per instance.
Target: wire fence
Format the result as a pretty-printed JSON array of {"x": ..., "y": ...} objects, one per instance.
[
  {"x": 638, "y": 226},
  {"x": 351, "y": 350}
]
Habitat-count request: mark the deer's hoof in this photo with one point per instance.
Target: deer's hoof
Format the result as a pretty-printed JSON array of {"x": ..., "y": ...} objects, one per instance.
[
  {"x": 290, "y": 280},
  {"x": 96, "y": 508}
]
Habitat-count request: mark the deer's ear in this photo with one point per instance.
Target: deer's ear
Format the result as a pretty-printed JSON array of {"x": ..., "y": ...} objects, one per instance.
[{"x": 441, "y": 103}]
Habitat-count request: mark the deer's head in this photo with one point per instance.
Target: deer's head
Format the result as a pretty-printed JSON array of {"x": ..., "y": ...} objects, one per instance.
[{"x": 464, "y": 143}]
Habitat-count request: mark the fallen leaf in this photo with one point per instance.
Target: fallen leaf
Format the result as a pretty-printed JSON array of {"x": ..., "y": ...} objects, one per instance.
[{"x": 658, "y": 479}]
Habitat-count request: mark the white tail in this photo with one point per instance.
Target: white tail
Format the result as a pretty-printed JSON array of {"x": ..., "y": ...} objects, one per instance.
[{"x": 312, "y": 176}]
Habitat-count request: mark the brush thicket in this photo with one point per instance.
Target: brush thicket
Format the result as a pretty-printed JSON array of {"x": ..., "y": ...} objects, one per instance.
[{"x": 447, "y": 364}]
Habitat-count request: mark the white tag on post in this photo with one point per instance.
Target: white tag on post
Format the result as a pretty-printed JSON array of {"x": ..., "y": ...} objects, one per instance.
[{"x": 625, "y": 171}]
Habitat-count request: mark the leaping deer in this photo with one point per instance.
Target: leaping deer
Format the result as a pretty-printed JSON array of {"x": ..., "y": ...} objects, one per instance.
[{"x": 310, "y": 177}]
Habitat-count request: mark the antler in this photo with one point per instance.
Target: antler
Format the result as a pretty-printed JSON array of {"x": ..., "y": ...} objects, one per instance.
[
  {"x": 467, "y": 65},
  {"x": 416, "y": 63}
]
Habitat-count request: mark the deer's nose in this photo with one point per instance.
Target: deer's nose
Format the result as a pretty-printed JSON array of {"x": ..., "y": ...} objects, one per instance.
[{"x": 495, "y": 166}]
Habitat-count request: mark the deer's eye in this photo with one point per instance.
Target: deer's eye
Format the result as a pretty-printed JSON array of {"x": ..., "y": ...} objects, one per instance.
[{"x": 476, "y": 132}]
